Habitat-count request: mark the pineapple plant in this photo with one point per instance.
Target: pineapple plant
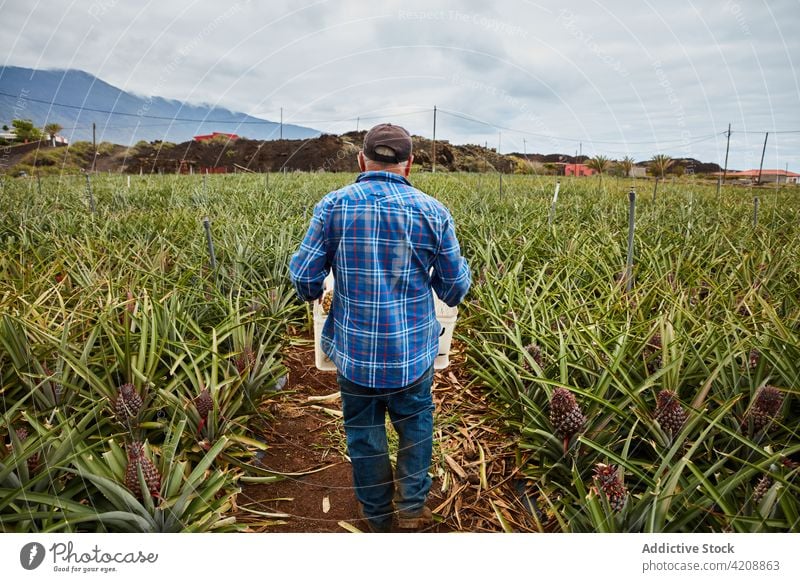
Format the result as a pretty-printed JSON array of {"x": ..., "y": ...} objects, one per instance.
[
  {"x": 565, "y": 415},
  {"x": 610, "y": 485},
  {"x": 669, "y": 413},
  {"x": 764, "y": 409},
  {"x": 152, "y": 478},
  {"x": 128, "y": 403}
]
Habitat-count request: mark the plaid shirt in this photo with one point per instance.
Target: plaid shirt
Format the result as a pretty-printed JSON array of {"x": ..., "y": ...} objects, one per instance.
[{"x": 388, "y": 244}]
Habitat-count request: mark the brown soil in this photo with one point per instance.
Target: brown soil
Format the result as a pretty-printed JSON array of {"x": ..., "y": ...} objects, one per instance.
[{"x": 306, "y": 439}]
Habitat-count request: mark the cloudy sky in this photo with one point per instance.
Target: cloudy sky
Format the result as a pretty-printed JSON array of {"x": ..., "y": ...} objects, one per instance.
[{"x": 609, "y": 77}]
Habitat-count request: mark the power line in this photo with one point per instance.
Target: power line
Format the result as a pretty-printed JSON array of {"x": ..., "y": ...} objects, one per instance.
[
  {"x": 254, "y": 121},
  {"x": 572, "y": 139},
  {"x": 191, "y": 120}
]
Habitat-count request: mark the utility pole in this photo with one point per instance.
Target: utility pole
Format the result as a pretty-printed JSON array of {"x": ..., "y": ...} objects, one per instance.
[
  {"x": 580, "y": 150},
  {"x": 94, "y": 144},
  {"x": 499, "y": 141},
  {"x": 433, "y": 147},
  {"x": 525, "y": 151},
  {"x": 727, "y": 149},
  {"x": 763, "y": 151},
  {"x": 358, "y": 123},
  {"x": 281, "y": 137}
]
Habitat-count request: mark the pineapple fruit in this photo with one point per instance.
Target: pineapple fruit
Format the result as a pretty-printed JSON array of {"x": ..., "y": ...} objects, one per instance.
[
  {"x": 33, "y": 460},
  {"x": 609, "y": 484},
  {"x": 326, "y": 302},
  {"x": 535, "y": 352},
  {"x": 565, "y": 415},
  {"x": 204, "y": 405},
  {"x": 764, "y": 408},
  {"x": 246, "y": 359},
  {"x": 761, "y": 488},
  {"x": 136, "y": 459},
  {"x": 669, "y": 413},
  {"x": 128, "y": 403}
]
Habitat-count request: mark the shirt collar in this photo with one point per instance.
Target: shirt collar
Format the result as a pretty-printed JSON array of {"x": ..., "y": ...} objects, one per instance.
[{"x": 380, "y": 176}]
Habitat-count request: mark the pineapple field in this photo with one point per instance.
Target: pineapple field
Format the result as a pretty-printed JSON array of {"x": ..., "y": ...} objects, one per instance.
[{"x": 145, "y": 323}]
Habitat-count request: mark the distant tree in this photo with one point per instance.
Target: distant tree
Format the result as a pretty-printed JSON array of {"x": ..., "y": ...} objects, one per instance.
[
  {"x": 660, "y": 164},
  {"x": 52, "y": 130},
  {"x": 599, "y": 164},
  {"x": 627, "y": 164},
  {"x": 25, "y": 130},
  {"x": 5, "y": 128}
]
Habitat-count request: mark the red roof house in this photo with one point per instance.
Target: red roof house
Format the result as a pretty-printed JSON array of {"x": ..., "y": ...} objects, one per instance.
[
  {"x": 210, "y": 136},
  {"x": 578, "y": 170},
  {"x": 779, "y": 176}
]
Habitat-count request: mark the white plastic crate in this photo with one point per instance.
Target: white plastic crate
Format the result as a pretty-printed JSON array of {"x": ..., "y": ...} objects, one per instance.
[{"x": 446, "y": 316}]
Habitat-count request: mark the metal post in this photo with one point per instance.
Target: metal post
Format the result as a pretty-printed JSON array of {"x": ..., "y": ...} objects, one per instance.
[
  {"x": 94, "y": 144},
  {"x": 761, "y": 165},
  {"x": 655, "y": 189},
  {"x": 210, "y": 243},
  {"x": 553, "y": 204},
  {"x": 631, "y": 225},
  {"x": 91, "y": 194},
  {"x": 755, "y": 212},
  {"x": 501, "y": 183},
  {"x": 433, "y": 145},
  {"x": 39, "y": 183},
  {"x": 727, "y": 149}
]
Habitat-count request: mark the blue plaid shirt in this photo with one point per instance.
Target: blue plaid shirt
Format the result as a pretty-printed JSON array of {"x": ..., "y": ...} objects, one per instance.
[{"x": 388, "y": 244}]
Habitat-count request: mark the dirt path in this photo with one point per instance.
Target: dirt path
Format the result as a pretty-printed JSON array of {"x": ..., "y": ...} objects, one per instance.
[{"x": 307, "y": 438}]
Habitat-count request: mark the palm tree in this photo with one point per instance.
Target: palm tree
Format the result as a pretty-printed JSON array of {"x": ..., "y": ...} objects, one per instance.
[
  {"x": 52, "y": 129},
  {"x": 599, "y": 164},
  {"x": 660, "y": 164},
  {"x": 627, "y": 164}
]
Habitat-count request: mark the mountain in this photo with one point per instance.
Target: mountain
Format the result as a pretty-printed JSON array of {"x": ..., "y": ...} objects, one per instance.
[{"x": 76, "y": 99}]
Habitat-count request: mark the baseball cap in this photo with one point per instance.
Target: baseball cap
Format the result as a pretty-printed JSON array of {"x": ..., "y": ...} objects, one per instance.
[{"x": 387, "y": 143}]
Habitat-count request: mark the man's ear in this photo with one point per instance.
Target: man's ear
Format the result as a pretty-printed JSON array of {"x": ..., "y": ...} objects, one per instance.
[
  {"x": 407, "y": 169},
  {"x": 362, "y": 165}
]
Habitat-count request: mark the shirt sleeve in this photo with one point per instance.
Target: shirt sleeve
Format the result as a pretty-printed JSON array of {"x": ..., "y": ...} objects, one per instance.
[
  {"x": 451, "y": 276},
  {"x": 309, "y": 266}
]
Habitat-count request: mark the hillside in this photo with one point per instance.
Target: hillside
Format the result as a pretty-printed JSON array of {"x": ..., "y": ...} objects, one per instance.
[
  {"x": 329, "y": 153},
  {"x": 82, "y": 100}
]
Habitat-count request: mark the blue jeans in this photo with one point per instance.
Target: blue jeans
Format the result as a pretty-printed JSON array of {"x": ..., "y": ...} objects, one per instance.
[{"x": 411, "y": 412}]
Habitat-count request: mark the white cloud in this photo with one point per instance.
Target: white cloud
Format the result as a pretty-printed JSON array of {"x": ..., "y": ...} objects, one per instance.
[{"x": 596, "y": 71}]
